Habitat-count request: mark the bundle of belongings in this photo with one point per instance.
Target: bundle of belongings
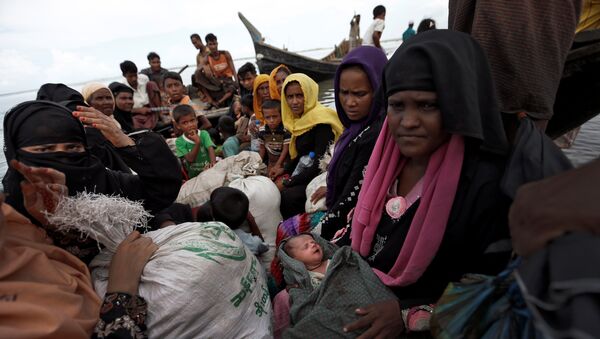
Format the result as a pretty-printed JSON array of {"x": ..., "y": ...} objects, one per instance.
[{"x": 202, "y": 282}]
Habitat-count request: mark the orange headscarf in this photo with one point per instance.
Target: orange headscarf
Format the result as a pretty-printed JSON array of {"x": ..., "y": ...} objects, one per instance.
[
  {"x": 47, "y": 292},
  {"x": 259, "y": 80},
  {"x": 275, "y": 94}
]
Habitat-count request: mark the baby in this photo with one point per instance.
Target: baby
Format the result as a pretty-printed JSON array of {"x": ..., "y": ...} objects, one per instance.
[{"x": 305, "y": 249}]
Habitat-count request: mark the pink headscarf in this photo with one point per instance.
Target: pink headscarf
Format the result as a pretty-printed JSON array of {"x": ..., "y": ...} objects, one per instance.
[{"x": 429, "y": 223}]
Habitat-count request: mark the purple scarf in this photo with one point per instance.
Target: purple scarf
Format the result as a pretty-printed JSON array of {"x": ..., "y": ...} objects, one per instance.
[{"x": 372, "y": 60}]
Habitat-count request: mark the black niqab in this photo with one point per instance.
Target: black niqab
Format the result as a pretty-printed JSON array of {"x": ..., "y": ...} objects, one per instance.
[
  {"x": 42, "y": 122},
  {"x": 454, "y": 66}
]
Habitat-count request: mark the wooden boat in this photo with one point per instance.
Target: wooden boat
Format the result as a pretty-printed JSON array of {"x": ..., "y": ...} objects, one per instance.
[
  {"x": 268, "y": 57},
  {"x": 578, "y": 96}
]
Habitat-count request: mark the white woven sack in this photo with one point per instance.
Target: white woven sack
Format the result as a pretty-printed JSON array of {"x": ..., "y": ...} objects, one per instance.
[
  {"x": 264, "y": 200},
  {"x": 202, "y": 282},
  {"x": 197, "y": 190}
]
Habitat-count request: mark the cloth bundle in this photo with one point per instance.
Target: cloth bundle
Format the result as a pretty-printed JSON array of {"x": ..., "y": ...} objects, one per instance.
[{"x": 202, "y": 282}]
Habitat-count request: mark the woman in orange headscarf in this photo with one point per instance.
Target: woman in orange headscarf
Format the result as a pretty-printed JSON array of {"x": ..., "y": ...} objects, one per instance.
[
  {"x": 276, "y": 79},
  {"x": 260, "y": 93}
]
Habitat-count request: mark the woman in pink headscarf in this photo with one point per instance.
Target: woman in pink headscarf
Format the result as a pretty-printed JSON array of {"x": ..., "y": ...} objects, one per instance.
[{"x": 430, "y": 208}]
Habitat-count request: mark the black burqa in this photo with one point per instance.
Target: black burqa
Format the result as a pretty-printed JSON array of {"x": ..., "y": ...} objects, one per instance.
[
  {"x": 96, "y": 142},
  {"x": 43, "y": 122}
]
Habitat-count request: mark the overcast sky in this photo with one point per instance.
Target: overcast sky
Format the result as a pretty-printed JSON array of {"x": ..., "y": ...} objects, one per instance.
[{"x": 78, "y": 40}]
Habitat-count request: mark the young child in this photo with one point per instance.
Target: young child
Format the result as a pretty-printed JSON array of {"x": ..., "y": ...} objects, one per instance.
[
  {"x": 241, "y": 125},
  {"x": 175, "y": 90},
  {"x": 231, "y": 145},
  {"x": 246, "y": 76},
  {"x": 273, "y": 138},
  {"x": 194, "y": 146},
  {"x": 231, "y": 207},
  {"x": 304, "y": 248}
]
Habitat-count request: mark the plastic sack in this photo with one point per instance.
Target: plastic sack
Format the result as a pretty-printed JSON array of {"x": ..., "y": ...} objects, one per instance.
[
  {"x": 264, "y": 200},
  {"x": 197, "y": 190},
  {"x": 201, "y": 283}
]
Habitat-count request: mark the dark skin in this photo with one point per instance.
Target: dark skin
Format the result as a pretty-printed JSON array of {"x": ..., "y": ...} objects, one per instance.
[
  {"x": 415, "y": 121},
  {"x": 546, "y": 209},
  {"x": 189, "y": 125}
]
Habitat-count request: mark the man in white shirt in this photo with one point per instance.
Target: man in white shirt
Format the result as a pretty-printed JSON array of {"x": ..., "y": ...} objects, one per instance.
[
  {"x": 137, "y": 82},
  {"x": 373, "y": 35}
]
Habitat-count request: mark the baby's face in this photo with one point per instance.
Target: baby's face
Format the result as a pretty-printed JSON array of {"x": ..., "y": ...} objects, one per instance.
[{"x": 305, "y": 249}]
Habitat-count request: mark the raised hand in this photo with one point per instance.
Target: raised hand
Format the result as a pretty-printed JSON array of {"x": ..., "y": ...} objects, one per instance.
[{"x": 90, "y": 116}]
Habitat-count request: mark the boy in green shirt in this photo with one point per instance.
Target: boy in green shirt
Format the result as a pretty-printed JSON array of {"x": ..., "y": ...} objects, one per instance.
[{"x": 194, "y": 146}]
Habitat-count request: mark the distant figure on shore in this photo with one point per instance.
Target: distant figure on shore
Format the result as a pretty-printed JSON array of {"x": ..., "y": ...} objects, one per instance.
[
  {"x": 373, "y": 35},
  {"x": 409, "y": 31},
  {"x": 426, "y": 25},
  {"x": 155, "y": 72},
  {"x": 217, "y": 78}
]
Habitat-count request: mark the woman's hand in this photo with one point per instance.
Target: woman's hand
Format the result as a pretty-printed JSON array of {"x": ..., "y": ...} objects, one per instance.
[
  {"x": 42, "y": 189},
  {"x": 89, "y": 116},
  {"x": 383, "y": 320},
  {"x": 128, "y": 263},
  {"x": 319, "y": 194}
]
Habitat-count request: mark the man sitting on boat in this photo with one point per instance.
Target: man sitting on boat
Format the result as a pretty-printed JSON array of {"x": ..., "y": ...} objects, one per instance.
[
  {"x": 155, "y": 72},
  {"x": 217, "y": 78},
  {"x": 145, "y": 92}
]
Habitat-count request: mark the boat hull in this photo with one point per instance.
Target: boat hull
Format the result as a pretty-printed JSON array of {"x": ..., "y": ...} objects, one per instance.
[{"x": 268, "y": 57}]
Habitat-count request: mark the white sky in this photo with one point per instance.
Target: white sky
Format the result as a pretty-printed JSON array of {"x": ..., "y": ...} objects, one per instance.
[{"x": 78, "y": 40}]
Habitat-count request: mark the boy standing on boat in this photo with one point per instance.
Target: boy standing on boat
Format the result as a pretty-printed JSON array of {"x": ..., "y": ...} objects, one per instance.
[
  {"x": 217, "y": 77},
  {"x": 373, "y": 35}
]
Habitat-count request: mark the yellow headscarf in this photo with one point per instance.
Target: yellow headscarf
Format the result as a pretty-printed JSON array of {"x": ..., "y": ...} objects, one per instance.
[
  {"x": 91, "y": 88},
  {"x": 260, "y": 79},
  {"x": 273, "y": 84},
  {"x": 314, "y": 112}
]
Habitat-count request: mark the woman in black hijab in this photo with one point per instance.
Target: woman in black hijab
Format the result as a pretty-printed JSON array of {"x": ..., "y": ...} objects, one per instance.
[
  {"x": 123, "y": 105},
  {"x": 46, "y": 134},
  {"x": 430, "y": 208}
]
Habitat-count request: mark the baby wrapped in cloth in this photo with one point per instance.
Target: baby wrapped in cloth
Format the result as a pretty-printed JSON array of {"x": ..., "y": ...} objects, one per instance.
[{"x": 348, "y": 283}]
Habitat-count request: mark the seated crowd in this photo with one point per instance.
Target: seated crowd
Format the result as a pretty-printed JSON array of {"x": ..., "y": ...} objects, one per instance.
[{"x": 404, "y": 176}]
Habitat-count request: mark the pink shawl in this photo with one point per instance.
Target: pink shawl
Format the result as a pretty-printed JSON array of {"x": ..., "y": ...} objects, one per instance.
[{"x": 429, "y": 223}]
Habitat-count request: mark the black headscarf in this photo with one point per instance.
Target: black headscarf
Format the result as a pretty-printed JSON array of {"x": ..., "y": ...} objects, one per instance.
[
  {"x": 62, "y": 94},
  {"x": 124, "y": 118},
  {"x": 454, "y": 66},
  {"x": 43, "y": 122}
]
